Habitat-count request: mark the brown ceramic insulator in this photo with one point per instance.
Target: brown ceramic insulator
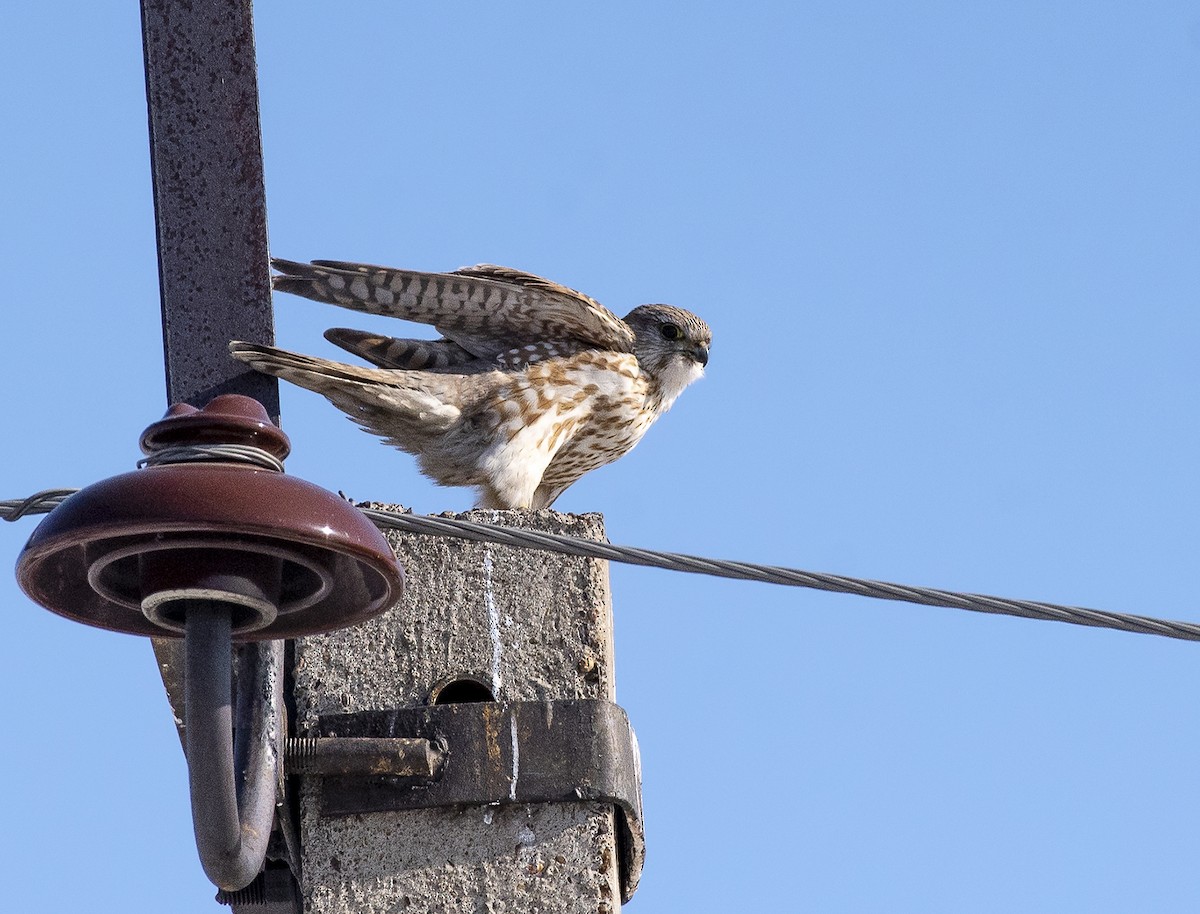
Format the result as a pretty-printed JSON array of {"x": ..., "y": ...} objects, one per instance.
[
  {"x": 227, "y": 419},
  {"x": 289, "y": 557}
]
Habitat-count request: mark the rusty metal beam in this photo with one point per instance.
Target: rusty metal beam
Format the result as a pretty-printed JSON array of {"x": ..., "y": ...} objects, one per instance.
[
  {"x": 211, "y": 220},
  {"x": 209, "y": 199}
]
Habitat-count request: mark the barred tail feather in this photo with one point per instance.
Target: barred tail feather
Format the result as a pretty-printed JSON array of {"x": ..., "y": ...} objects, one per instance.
[{"x": 393, "y": 404}]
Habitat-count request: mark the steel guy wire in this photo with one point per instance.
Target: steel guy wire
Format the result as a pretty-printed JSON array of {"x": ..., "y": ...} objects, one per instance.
[{"x": 43, "y": 502}]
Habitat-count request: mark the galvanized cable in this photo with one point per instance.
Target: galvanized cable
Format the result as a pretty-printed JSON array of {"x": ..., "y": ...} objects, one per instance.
[
  {"x": 475, "y": 531},
  {"x": 220, "y": 453},
  {"x": 773, "y": 574},
  {"x": 42, "y": 502}
]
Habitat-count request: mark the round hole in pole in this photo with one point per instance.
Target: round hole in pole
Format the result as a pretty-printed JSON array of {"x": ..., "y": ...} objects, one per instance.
[{"x": 460, "y": 690}]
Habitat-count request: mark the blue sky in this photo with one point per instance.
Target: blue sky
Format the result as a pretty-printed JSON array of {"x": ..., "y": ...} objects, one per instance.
[{"x": 949, "y": 253}]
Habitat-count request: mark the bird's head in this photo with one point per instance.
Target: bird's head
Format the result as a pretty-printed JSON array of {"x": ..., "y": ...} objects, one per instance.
[{"x": 671, "y": 345}]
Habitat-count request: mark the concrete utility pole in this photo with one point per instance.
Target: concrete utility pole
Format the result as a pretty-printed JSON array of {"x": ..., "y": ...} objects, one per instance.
[{"x": 522, "y": 625}]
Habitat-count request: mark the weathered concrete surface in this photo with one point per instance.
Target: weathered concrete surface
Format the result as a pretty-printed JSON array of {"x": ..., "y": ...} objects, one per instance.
[{"x": 529, "y": 625}]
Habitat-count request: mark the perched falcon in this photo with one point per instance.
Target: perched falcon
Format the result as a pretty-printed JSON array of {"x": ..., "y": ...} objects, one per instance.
[{"x": 532, "y": 385}]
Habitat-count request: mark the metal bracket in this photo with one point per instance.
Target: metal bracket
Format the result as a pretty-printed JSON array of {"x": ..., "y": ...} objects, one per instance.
[{"x": 573, "y": 750}]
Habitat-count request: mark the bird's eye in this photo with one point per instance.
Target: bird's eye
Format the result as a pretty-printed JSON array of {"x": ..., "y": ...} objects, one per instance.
[{"x": 670, "y": 332}]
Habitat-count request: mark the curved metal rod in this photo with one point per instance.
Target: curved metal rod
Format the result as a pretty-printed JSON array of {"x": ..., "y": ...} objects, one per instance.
[{"x": 233, "y": 781}]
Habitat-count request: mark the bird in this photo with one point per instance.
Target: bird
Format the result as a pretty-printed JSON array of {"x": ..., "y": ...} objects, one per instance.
[{"x": 530, "y": 386}]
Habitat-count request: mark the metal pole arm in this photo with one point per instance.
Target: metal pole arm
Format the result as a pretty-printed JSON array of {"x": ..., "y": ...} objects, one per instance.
[{"x": 233, "y": 780}]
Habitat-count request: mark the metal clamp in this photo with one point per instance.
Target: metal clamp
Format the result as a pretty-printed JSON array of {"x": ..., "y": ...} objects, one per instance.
[{"x": 565, "y": 751}]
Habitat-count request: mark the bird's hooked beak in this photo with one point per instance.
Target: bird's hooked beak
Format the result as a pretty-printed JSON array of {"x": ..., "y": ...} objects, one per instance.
[{"x": 700, "y": 354}]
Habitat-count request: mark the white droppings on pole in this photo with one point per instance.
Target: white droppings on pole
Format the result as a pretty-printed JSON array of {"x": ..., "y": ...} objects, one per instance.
[
  {"x": 516, "y": 758},
  {"x": 489, "y": 601}
]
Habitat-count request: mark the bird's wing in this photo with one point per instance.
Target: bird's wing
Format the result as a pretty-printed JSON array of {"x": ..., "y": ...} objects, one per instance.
[
  {"x": 485, "y": 309},
  {"x": 411, "y": 355}
]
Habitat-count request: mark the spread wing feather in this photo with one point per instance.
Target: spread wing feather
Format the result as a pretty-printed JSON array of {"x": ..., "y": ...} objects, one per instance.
[
  {"x": 412, "y": 355},
  {"x": 485, "y": 309}
]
